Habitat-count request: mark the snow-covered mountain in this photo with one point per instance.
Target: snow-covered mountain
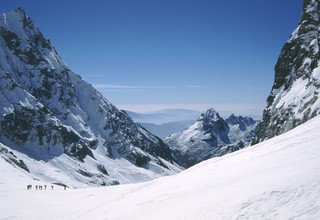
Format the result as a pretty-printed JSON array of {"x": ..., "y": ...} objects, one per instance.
[
  {"x": 211, "y": 136},
  {"x": 294, "y": 98},
  {"x": 277, "y": 179},
  {"x": 60, "y": 128}
]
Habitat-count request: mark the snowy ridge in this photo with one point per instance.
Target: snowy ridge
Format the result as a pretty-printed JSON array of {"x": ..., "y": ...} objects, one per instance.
[
  {"x": 276, "y": 179},
  {"x": 57, "y": 123},
  {"x": 294, "y": 98},
  {"x": 211, "y": 136}
]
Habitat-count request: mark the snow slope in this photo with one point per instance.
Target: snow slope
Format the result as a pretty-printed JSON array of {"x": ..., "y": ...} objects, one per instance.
[{"x": 276, "y": 179}]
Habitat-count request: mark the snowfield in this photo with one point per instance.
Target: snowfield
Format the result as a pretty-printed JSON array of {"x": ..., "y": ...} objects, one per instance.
[{"x": 277, "y": 179}]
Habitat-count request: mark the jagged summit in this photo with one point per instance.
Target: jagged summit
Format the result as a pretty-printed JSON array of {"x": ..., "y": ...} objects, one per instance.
[
  {"x": 211, "y": 122},
  {"x": 21, "y": 11},
  {"x": 17, "y": 13},
  {"x": 294, "y": 98},
  {"x": 234, "y": 119},
  {"x": 243, "y": 122},
  {"x": 211, "y": 136},
  {"x": 52, "y": 120},
  {"x": 16, "y": 18},
  {"x": 210, "y": 114}
]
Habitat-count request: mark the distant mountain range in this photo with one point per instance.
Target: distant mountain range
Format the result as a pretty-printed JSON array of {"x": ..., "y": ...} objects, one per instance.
[
  {"x": 165, "y": 122},
  {"x": 166, "y": 129},
  {"x": 164, "y": 116}
]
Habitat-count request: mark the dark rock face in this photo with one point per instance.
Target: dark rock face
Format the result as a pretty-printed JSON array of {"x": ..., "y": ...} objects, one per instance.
[
  {"x": 47, "y": 111},
  {"x": 11, "y": 158},
  {"x": 211, "y": 136},
  {"x": 294, "y": 96},
  {"x": 214, "y": 125},
  {"x": 243, "y": 122}
]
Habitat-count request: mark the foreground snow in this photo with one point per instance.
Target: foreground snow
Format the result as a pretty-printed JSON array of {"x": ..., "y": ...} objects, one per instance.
[{"x": 277, "y": 179}]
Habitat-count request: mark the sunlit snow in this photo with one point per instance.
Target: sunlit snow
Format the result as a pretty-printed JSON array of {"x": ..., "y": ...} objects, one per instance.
[{"x": 277, "y": 179}]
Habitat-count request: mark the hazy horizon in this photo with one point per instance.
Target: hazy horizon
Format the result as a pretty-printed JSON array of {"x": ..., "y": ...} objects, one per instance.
[{"x": 225, "y": 109}]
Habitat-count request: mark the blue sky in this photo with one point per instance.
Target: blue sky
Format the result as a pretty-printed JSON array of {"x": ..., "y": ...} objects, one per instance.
[{"x": 151, "y": 54}]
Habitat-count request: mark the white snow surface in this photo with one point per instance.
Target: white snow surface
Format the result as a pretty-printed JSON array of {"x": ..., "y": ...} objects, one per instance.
[{"x": 276, "y": 179}]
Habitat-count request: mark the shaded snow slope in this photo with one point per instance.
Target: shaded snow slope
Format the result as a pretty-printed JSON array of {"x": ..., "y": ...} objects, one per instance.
[
  {"x": 211, "y": 136},
  {"x": 277, "y": 179},
  {"x": 49, "y": 115},
  {"x": 294, "y": 98}
]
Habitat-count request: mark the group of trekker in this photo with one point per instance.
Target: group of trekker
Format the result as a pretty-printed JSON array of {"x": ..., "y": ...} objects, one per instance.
[{"x": 40, "y": 187}]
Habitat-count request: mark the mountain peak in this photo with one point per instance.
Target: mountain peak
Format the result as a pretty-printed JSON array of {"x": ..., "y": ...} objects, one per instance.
[
  {"x": 242, "y": 121},
  {"x": 211, "y": 136},
  {"x": 21, "y": 12},
  {"x": 232, "y": 117},
  {"x": 17, "y": 24},
  {"x": 14, "y": 17},
  {"x": 210, "y": 114}
]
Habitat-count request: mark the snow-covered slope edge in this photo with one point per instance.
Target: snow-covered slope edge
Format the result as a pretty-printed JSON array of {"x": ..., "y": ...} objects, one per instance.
[
  {"x": 59, "y": 125},
  {"x": 276, "y": 179}
]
